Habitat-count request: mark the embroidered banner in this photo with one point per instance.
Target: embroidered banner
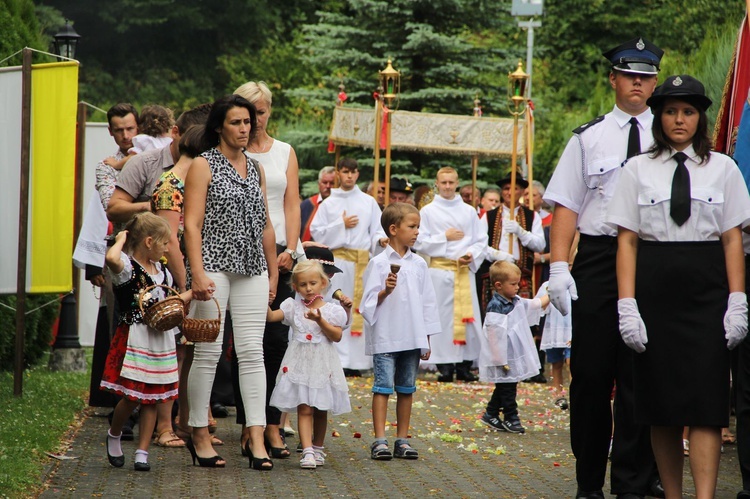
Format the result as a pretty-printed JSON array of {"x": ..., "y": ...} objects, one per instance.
[{"x": 428, "y": 132}]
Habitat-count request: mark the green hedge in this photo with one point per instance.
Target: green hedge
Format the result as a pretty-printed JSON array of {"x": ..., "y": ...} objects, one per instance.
[{"x": 38, "y": 330}]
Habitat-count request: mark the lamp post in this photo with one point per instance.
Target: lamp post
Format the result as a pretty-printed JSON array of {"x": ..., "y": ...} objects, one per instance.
[
  {"x": 66, "y": 41},
  {"x": 517, "y": 85},
  {"x": 390, "y": 81},
  {"x": 475, "y": 158}
]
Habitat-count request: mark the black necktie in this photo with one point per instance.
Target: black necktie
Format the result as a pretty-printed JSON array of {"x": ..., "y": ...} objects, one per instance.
[
  {"x": 634, "y": 139},
  {"x": 680, "y": 206}
]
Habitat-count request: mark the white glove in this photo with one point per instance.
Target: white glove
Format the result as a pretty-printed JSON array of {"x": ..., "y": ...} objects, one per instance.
[
  {"x": 497, "y": 255},
  {"x": 632, "y": 328},
  {"x": 561, "y": 287},
  {"x": 512, "y": 227},
  {"x": 735, "y": 320}
]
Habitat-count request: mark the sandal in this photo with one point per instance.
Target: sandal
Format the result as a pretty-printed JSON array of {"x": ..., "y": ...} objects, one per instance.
[
  {"x": 171, "y": 439},
  {"x": 212, "y": 426},
  {"x": 216, "y": 441},
  {"x": 403, "y": 450},
  {"x": 379, "y": 451}
]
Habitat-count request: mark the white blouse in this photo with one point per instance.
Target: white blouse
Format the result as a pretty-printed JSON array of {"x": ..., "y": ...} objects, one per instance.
[{"x": 642, "y": 199}]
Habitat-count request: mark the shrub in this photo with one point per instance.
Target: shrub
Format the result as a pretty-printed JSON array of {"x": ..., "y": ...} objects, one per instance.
[{"x": 38, "y": 330}]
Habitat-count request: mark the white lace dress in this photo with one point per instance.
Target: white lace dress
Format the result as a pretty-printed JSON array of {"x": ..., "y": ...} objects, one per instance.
[{"x": 311, "y": 371}]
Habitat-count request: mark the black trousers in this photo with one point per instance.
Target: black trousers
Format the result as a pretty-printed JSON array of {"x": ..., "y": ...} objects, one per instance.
[
  {"x": 742, "y": 384},
  {"x": 504, "y": 398},
  {"x": 599, "y": 361},
  {"x": 275, "y": 342}
]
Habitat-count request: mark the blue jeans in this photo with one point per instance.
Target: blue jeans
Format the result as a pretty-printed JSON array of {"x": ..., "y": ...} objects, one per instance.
[{"x": 395, "y": 371}]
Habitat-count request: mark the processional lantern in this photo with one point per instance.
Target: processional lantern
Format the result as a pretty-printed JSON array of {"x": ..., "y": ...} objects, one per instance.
[
  {"x": 390, "y": 81},
  {"x": 66, "y": 41},
  {"x": 517, "y": 82}
]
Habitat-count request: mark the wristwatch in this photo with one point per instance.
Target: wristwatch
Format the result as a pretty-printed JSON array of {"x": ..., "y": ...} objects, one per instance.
[{"x": 292, "y": 253}]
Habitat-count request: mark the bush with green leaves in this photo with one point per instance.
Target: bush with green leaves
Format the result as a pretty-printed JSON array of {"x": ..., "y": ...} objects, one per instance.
[{"x": 38, "y": 329}]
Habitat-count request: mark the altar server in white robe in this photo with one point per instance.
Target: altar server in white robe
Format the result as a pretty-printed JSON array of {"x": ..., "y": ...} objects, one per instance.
[
  {"x": 348, "y": 222},
  {"x": 455, "y": 239}
]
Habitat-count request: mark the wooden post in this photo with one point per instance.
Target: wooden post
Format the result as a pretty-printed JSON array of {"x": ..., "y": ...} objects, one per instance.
[
  {"x": 78, "y": 206},
  {"x": 387, "y": 179},
  {"x": 514, "y": 167},
  {"x": 376, "y": 165},
  {"x": 23, "y": 219}
]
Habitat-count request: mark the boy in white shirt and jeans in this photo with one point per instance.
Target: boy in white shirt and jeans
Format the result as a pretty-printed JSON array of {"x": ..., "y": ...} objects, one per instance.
[{"x": 400, "y": 310}]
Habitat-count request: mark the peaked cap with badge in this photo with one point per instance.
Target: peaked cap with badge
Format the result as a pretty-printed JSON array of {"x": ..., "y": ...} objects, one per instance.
[
  {"x": 683, "y": 87},
  {"x": 635, "y": 56}
]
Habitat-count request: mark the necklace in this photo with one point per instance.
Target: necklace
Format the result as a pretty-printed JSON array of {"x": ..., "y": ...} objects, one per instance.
[
  {"x": 309, "y": 302},
  {"x": 263, "y": 147}
]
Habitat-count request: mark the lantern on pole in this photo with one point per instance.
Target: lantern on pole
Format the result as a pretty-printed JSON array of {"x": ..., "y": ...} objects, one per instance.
[
  {"x": 66, "y": 41},
  {"x": 390, "y": 82},
  {"x": 517, "y": 84}
]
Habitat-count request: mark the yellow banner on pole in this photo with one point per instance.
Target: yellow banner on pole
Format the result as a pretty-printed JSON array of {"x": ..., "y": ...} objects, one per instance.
[{"x": 54, "y": 96}]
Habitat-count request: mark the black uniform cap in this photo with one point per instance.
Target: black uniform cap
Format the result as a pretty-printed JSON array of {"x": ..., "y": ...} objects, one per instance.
[{"x": 635, "y": 56}]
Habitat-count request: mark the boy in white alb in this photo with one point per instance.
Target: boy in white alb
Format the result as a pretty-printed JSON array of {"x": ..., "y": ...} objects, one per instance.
[
  {"x": 401, "y": 314},
  {"x": 454, "y": 238},
  {"x": 508, "y": 353},
  {"x": 348, "y": 222}
]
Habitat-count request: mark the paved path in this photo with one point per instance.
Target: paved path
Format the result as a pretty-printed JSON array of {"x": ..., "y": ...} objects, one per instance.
[{"x": 459, "y": 457}]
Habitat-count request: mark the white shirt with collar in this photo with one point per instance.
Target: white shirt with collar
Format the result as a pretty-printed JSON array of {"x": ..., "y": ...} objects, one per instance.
[
  {"x": 408, "y": 315},
  {"x": 641, "y": 203},
  {"x": 585, "y": 177}
]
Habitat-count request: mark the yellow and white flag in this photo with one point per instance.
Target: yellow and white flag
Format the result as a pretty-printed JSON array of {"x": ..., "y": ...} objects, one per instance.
[{"x": 54, "y": 89}]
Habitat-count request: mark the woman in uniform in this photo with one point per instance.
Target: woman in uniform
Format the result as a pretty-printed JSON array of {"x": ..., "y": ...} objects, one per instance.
[{"x": 679, "y": 209}]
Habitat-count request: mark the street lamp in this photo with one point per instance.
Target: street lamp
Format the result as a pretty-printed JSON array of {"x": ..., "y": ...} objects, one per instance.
[
  {"x": 517, "y": 83},
  {"x": 66, "y": 41},
  {"x": 390, "y": 82}
]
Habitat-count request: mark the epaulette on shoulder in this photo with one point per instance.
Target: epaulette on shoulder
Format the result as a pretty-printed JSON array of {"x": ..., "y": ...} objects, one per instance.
[{"x": 588, "y": 125}]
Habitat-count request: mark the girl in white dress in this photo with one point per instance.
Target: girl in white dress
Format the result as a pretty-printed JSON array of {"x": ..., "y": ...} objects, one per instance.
[{"x": 311, "y": 379}]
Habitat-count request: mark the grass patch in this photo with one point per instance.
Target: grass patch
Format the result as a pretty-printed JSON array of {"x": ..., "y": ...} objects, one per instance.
[{"x": 36, "y": 423}]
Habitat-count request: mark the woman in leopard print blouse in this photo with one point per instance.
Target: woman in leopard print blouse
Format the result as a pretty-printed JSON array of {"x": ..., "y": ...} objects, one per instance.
[{"x": 231, "y": 254}]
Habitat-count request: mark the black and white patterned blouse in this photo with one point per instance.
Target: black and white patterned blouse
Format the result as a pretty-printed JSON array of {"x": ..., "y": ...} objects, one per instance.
[{"x": 235, "y": 219}]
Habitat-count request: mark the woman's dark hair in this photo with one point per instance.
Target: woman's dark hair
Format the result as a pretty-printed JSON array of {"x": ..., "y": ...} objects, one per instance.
[
  {"x": 218, "y": 114},
  {"x": 701, "y": 140},
  {"x": 191, "y": 142}
]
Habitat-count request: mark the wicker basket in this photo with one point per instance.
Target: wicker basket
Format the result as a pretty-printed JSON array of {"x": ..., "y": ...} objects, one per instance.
[
  {"x": 165, "y": 314},
  {"x": 202, "y": 330}
]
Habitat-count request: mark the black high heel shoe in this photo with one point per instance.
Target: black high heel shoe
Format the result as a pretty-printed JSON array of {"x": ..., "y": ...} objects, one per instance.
[
  {"x": 204, "y": 462},
  {"x": 276, "y": 452},
  {"x": 116, "y": 461},
  {"x": 257, "y": 463}
]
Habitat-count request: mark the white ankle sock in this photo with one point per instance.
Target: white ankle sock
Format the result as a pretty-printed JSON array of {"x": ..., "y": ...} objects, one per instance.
[
  {"x": 113, "y": 444},
  {"x": 315, "y": 447},
  {"x": 141, "y": 456}
]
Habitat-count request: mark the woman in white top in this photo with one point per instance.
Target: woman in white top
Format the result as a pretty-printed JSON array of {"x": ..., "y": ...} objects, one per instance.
[
  {"x": 282, "y": 188},
  {"x": 680, "y": 260}
]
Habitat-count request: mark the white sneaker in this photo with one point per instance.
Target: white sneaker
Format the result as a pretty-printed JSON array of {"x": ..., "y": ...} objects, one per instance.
[
  {"x": 320, "y": 457},
  {"x": 289, "y": 431},
  {"x": 308, "y": 461}
]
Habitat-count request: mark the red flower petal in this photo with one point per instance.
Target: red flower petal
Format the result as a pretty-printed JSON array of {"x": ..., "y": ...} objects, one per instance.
[
  {"x": 308, "y": 337},
  {"x": 357, "y": 434}
]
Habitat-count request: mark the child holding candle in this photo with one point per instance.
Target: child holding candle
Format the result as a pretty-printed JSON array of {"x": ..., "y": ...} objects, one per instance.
[{"x": 400, "y": 311}]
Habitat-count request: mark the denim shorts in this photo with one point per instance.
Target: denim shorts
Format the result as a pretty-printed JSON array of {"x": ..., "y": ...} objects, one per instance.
[
  {"x": 557, "y": 354},
  {"x": 396, "y": 370}
]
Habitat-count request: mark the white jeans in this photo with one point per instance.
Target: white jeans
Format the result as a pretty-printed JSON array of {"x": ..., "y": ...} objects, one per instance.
[{"x": 248, "y": 300}]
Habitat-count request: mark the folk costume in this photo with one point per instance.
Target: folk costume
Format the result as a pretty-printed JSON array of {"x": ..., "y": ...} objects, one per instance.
[
  {"x": 455, "y": 285},
  {"x": 142, "y": 362},
  {"x": 352, "y": 249},
  {"x": 584, "y": 182}
]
